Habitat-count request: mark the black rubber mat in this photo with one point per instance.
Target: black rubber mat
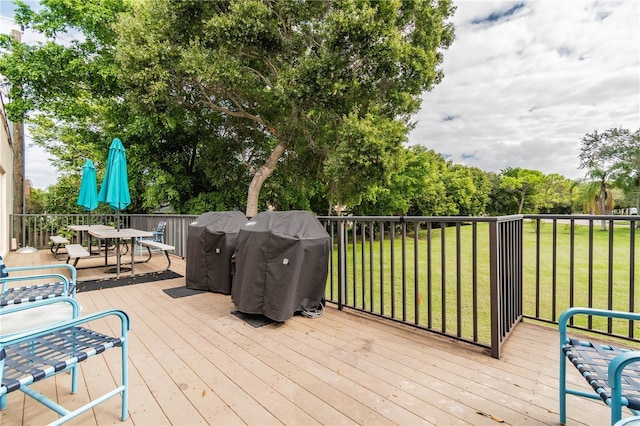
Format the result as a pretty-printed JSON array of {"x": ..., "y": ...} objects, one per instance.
[
  {"x": 177, "y": 292},
  {"x": 255, "y": 320},
  {"x": 126, "y": 280}
]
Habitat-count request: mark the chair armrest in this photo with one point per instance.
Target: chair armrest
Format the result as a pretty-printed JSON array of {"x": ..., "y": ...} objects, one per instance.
[
  {"x": 14, "y": 320},
  {"x": 34, "y": 277},
  {"x": 62, "y": 325},
  {"x": 566, "y": 315},
  {"x": 71, "y": 268},
  {"x": 620, "y": 362},
  {"x": 24, "y": 306},
  {"x": 615, "y": 370}
]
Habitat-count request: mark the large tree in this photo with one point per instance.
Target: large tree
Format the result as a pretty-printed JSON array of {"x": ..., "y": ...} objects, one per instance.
[
  {"x": 329, "y": 84},
  {"x": 627, "y": 173},
  {"x": 523, "y": 188},
  {"x": 558, "y": 194},
  {"x": 467, "y": 190},
  {"x": 609, "y": 157},
  {"x": 415, "y": 187}
]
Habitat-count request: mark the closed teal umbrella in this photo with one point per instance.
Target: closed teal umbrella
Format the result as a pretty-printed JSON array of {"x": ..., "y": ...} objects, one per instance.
[
  {"x": 115, "y": 186},
  {"x": 88, "y": 196}
]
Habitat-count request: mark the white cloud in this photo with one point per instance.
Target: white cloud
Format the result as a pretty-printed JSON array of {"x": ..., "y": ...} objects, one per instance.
[
  {"x": 38, "y": 167},
  {"x": 525, "y": 81}
]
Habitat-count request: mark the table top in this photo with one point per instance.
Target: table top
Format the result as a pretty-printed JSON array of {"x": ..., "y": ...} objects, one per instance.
[
  {"x": 89, "y": 227},
  {"x": 122, "y": 233}
]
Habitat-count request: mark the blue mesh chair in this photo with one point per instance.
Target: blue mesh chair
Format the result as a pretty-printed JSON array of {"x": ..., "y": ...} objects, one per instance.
[
  {"x": 612, "y": 372},
  {"x": 158, "y": 234},
  {"x": 58, "y": 286},
  {"x": 36, "y": 354}
]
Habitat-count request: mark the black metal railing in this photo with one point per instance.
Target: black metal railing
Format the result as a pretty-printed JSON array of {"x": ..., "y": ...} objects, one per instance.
[
  {"x": 582, "y": 260},
  {"x": 37, "y": 228},
  {"x": 34, "y": 230},
  {"x": 469, "y": 278},
  {"x": 456, "y": 276}
]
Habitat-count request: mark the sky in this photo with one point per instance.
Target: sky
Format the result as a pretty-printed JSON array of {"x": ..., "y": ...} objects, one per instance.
[{"x": 524, "y": 82}]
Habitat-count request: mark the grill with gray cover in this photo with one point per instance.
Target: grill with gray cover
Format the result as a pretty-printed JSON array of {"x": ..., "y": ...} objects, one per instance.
[
  {"x": 210, "y": 245},
  {"x": 282, "y": 260}
]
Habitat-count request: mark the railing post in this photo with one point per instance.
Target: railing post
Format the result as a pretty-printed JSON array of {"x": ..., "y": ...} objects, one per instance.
[
  {"x": 494, "y": 282},
  {"x": 342, "y": 264},
  {"x": 506, "y": 275}
]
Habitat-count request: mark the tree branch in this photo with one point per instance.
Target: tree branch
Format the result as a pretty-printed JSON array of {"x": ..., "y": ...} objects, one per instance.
[
  {"x": 272, "y": 67},
  {"x": 241, "y": 113},
  {"x": 260, "y": 76}
]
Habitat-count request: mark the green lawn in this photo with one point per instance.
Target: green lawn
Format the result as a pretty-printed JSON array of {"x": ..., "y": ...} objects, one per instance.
[
  {"x": 582, "y": 293},
  {"x": 374, "y": 290}
]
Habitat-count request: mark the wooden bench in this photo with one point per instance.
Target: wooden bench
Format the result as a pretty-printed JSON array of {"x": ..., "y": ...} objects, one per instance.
[
  {"x": 57, "y": 241},
  {"x": 166, "y": 248},
  {"x": 76, "y": 251}
]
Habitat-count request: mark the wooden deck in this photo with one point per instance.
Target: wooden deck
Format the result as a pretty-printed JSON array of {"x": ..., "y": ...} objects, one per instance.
[{"x": 192, "y": 362}]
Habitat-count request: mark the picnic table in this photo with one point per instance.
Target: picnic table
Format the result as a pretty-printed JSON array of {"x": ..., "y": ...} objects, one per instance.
[
  {"x": 119, "y": 235},
  {"x": 81, "y": 229}
]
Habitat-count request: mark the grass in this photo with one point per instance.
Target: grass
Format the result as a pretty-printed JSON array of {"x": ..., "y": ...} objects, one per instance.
[
  {"x": 555, "y": 275},
  {"x": 441, "y": 293}
]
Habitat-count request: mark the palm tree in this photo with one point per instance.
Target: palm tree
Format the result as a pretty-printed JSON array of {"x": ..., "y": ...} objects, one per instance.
[
  {"x": 595, "y": 196},
  {"x": 599, "y": 156}
]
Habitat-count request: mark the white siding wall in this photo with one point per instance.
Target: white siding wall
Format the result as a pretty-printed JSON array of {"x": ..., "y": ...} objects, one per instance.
[{"x": 6, "y": 183}]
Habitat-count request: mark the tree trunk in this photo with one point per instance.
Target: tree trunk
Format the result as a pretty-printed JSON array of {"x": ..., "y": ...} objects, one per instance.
[
  {"x": 260, "y": 177},
  {"x": 602, "y": 200},
  {"x": 523, "y": 194}
]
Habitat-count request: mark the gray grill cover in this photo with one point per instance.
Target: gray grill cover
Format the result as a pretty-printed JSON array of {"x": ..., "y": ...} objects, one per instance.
[
  {"x": 281, "y": 260},
  {"x": 210, "y": 245}
]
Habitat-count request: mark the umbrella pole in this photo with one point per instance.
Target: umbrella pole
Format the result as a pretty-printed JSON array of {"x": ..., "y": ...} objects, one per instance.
[
  {"x": 118, "y": 243},
  {"x": 117, "y": 257},
  {"x": 89, "y": 243}
]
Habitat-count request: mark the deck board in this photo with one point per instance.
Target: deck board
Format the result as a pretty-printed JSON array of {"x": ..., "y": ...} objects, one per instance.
[{"x": 192, "y": 362}]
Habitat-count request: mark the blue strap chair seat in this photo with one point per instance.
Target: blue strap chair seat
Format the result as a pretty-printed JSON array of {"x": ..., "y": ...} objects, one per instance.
[
  {"x": 612, "y": 372},
  {"x": 32, "y": 293},
  {"x": 59, "y": 286},
  {"x": 31, "y": 361},
  {"x": 593, "y": 360}
]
